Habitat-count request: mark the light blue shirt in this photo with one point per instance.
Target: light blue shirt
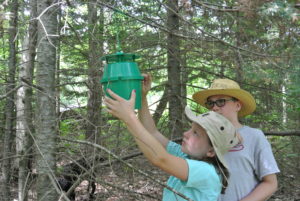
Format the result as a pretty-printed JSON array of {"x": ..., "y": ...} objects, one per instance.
[{"x": 203, "y": 184}]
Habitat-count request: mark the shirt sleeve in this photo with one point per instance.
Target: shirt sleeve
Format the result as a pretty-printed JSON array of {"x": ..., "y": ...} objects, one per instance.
[
  {"x": 201, "y": 174},
  {"x": 175, "y": 149},
  {"x": 265, "y": 162}
]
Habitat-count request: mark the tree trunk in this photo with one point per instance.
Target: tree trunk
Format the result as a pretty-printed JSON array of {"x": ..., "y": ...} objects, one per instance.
[
  {"x": 161, "y": 106},
  {"x": 173, "y": 64},
  {"x": 57, "y": 70},
  {"x": 94, "y": 75},
  {"x": 46, "y": 113},
  {"x": 184, "y": 80},
  {"x": 24, "y": 127},
  {"x": 9, "y": 132},
  {"x": 239, "y": 59}
]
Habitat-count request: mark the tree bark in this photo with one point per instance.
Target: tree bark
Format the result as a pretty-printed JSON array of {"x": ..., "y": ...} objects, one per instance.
[
  {"x": 238, "y": 60},
  {"x": 9, "y": 132},
  {"x": 24, "y": 126},
  {"x": 161, "y": 106},
  {"x": 173, "y": 64},
  {"x": 184, "y": 80},
  {"x": 46, "y": 113},
  {"x": 94, "y": 94}
]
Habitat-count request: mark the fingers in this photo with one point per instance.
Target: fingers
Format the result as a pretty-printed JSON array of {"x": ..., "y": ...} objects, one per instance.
[
  {"x": 114, "y": 95},
  {"x": 147, "y": 77},
  {"x": 146, "y": 84},
  {"x": 118, "y": 106},
  {"x": 133, "y": 95},
  {"x": 111, "y": 102},
  {"x": 111, "y": 111},
  {"x": 111, "y": 105}
]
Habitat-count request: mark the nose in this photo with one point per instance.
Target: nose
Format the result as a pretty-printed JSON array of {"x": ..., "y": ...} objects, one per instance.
[
  {"x": 215, "y": 108},
  {"x": 186, "y": 133}
]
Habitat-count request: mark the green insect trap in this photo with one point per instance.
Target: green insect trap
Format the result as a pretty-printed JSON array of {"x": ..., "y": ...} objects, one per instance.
[{"x": 121, "y": 75}]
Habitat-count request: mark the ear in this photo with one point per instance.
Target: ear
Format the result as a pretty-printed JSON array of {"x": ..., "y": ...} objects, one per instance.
[
  {"x": 239, "y": 106},
  {"x": 211, "y": 153}
]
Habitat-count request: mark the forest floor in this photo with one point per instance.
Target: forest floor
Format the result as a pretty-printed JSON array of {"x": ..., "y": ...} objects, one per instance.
[{"x": 121, "y": 183}]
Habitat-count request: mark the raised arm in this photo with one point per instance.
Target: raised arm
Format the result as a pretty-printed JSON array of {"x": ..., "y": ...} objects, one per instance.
[
  {"x": 145, "y": 116},
  {"x": 147, "y": 143}
]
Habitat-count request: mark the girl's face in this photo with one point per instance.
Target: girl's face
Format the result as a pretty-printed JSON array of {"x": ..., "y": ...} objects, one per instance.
[
  {"x": 230, "y": 109},
  {"x": 196, "y": 143}
]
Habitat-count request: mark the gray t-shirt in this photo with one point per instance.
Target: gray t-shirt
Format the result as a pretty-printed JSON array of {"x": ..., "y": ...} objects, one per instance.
[{"x": 248, "y": 163}]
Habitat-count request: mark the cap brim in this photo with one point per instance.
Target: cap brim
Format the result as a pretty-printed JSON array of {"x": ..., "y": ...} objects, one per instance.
[
  {"x": 191, "y": 115},
  {"x": 247, "y": 100},
  {"x": 221, "y": 157}
]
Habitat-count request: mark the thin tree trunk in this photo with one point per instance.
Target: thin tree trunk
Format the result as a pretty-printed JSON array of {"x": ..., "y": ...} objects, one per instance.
[
  {"x": 161, "y": 106},
  {"x": 46, "y": 113},
  {"x": 296, "y": 147},
  {"x": 238, "y": 60},
  {"x": 94, "y": 75},
  {"x": 174, "y": 81},
  {"x": 24, "y": 127},
  {"x": 57, "y": 70},
  {"x": 9, "y": 132},
  {"x": 184, "y": 79},
  {"x": 93, "y": 132}
]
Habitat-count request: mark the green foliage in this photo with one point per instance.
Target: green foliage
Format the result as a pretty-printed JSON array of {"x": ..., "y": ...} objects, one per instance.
[
  {"x": 253, "y": 42},
  {"x": 74, "y": 130}
]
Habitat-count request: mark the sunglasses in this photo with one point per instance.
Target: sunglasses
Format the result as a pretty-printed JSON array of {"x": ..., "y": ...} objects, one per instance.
[{"x": 220, "y": 102}]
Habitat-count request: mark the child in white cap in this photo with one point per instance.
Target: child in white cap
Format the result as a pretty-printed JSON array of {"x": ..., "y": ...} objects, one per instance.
[
  {"x": 251, "y": 164},
  {"x": 197, "y": 168}
]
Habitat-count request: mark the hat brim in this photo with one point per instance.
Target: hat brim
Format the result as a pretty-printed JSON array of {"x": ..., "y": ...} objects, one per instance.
[
  {"x": 189, "y": 113},
  {"x": 221, "y": 157},
  {"x": 247, "y": 100}
]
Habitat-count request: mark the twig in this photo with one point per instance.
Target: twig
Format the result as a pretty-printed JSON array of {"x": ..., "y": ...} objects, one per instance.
[
  {"x": 43, "y": 26},
  {"x": 11, "y": 91},
  {"x": 283, "y": 133}
]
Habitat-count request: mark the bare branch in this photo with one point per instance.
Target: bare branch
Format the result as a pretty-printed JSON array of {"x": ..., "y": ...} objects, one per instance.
[
  {"x": 283, "y": 133},
  {"x": 11, "y": 91}
]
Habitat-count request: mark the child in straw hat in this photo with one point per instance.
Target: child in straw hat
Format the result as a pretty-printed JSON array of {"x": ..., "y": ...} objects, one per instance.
[
  {"x": 251, "y": 164},
  {"x": 197, "y": 168}
]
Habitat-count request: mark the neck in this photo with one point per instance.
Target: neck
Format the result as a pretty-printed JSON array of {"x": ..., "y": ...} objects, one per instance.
[{"x": 236, "y": 123}]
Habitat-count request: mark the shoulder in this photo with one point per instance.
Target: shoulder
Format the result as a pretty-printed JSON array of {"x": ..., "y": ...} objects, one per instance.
[
  {"x": 253, "y": 133},
  {"x": 175, "y": 149},
  {"x": 250, "y": 130},
  {"x": 206, "y": 170},
  {"x": 254, "y": 136},
  {"x": 201, "y": 164},
  {"x": 173, "y": 146},
  {"x": 201, "y": 175}
]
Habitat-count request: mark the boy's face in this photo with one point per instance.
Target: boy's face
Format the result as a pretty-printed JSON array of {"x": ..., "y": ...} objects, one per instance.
[
  {"x": 230, "y": 108},
  {"x": 196, "y": 143}
]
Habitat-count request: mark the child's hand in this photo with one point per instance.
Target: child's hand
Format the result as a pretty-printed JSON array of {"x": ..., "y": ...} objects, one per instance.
[
  {"x": 146, "y": 84},
  {"x": 118, "y": 106}
]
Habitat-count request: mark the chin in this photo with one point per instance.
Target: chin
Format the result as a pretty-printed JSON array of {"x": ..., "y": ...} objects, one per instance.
[{"x": 183, "y": 150}]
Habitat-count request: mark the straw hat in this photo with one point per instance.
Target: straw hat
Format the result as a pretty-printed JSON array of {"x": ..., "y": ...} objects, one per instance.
[
  {"x": 219, "y": 129},
  {"x": 229, "y": 88}
]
